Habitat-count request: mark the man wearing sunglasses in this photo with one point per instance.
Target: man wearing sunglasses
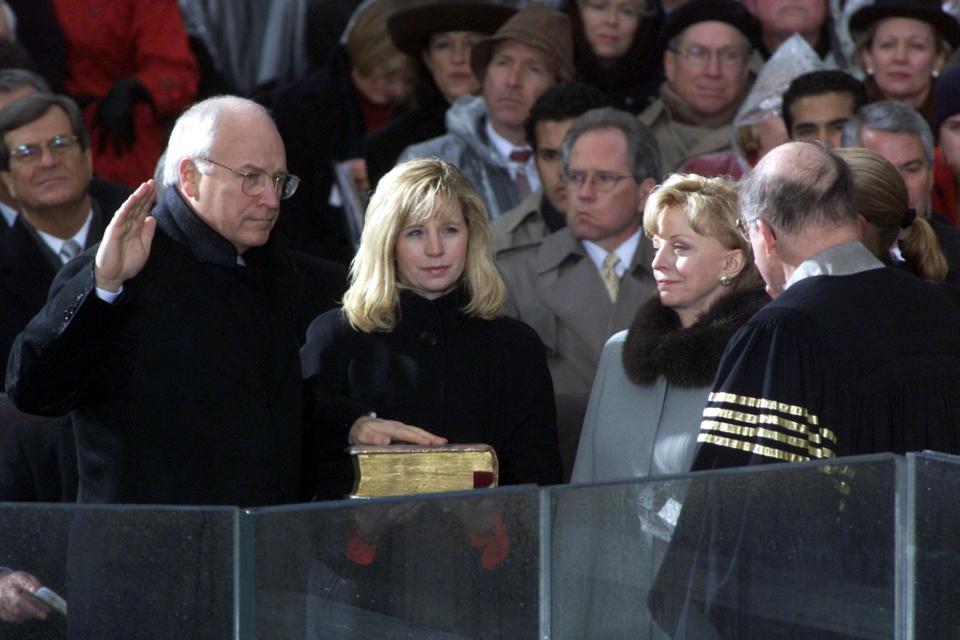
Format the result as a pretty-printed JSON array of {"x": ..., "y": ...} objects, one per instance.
[
  {"x": 176, "y": 343},
  {"x": 59, "y": 209}
]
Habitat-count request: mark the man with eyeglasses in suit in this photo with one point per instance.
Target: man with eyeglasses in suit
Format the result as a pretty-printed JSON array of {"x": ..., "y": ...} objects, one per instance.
[
  {"x": 59, "y": 208},
  {"x": 706, "y": 48},
  {"x": 175, "y": 343},
  {"x": 584, "y": 282}
]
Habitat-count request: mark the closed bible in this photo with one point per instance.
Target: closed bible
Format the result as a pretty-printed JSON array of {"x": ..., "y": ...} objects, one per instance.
[{"x": 403, "y": 469}]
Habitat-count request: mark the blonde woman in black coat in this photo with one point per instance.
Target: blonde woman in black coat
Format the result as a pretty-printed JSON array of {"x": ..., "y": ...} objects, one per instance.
[{"x": 421, "y": 352}]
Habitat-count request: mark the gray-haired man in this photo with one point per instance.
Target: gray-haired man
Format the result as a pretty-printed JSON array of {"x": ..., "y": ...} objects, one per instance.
[
  {"x": 178, "y": 341},
  {"x": 900, "y": 134},
  {"x": 852, "y": 357}
]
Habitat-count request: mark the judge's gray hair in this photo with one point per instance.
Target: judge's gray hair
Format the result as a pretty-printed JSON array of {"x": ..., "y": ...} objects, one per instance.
[{"x": 809, "y": 187}]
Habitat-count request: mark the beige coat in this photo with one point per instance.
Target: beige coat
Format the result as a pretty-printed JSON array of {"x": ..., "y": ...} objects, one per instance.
[
  {"x": 521, "y": 225},
  {"x": 555, "y": 288},
  {"x": 679, "y": 142}
]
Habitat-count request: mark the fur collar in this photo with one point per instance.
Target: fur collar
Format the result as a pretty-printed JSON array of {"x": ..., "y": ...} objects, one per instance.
[{"x": 657, "y": 345}]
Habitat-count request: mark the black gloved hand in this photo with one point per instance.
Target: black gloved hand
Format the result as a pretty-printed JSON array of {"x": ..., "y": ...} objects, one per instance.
[{"x": 114, "y": 116}]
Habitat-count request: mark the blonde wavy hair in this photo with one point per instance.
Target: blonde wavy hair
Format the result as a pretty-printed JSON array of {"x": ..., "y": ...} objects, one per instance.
[
  {"x": 410, "y": 194},
  {"x": 712, "y": 210}
]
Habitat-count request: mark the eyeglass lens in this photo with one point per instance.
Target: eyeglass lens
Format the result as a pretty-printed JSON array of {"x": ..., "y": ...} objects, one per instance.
[{"x": 57, "y": 145}]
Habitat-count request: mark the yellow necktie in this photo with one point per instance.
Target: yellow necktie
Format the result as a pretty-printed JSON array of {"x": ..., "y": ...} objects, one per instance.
[{"x": 608, "y": 273}]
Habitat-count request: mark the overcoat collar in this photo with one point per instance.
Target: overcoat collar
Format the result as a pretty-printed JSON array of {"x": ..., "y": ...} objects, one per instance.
[
  {"x": 179, "y": 221},
  {"x": 657, "y": 345},
  {"x": 561, "y": 245}
]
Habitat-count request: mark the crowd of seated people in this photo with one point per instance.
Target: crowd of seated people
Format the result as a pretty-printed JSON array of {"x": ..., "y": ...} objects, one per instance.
[{"x": 553, "y": 241}]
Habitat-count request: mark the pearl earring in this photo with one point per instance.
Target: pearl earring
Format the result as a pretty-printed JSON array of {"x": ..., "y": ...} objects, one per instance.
[
  {"x": 935, "y": 73},
  {"x": 869, "y": 71}
]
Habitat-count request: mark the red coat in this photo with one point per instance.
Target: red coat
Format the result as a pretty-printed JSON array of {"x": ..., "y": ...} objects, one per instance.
[
  {"x": 108, "y": 40},
  {"x": 944, "y": 193}
]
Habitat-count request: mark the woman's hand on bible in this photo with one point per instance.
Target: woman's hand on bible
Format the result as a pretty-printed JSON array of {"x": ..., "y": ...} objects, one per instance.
[{"x": 376, "y": 431}]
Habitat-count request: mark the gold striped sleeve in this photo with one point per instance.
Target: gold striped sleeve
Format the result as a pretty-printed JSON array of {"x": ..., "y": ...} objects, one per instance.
[
  {"x": 750, "y": 447},
  {"x": 765, "y": 427}
]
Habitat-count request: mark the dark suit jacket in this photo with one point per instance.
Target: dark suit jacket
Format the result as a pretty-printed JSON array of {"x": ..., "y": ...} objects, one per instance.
[{"x": 26, "y": 271}]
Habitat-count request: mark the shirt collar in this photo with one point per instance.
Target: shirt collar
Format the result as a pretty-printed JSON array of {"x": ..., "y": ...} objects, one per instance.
[
  {"x": 503, "y": 148},
  {"x": 842, "y": 260},
  {"x": 625, "y": 252},
  {"x": 56, "y": 243},
  {"x": 501, "y": 145},
  {"x": 9, "y": 214}
]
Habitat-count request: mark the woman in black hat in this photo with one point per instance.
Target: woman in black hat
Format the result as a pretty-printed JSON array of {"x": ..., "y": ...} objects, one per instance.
[
  {"x": 439, "y": 35},
  {"x": 615, "y": 49},
  {"x": 902, "y": 46}
]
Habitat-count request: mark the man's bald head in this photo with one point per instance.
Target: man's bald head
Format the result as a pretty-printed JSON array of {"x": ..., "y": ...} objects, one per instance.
[{"x": 799, "y": 186}]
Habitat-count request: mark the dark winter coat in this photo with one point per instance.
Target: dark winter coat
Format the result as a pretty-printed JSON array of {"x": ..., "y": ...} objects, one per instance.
[
  {"x": 187, "y": 389},
  {"x": 321, "y": 123},
  {"x": 463, "y": 378}
]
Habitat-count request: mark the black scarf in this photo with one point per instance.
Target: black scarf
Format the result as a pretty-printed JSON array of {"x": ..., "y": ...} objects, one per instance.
[{"x": 657, "y": 345}]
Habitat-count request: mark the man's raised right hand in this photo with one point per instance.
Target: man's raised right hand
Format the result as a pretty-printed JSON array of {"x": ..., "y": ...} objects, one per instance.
[{"x": 126, "y": 242}]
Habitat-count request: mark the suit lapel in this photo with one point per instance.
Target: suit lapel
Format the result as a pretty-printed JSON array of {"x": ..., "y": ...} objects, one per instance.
[
  {"x": 97, "y": 225},
  {"x": 571, "y": 288},
  {"x": 25, "y": 272}
]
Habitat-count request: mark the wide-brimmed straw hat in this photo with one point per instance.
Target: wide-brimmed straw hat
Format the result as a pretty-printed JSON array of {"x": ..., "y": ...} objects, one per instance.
[
  {"x": 536, "y": 26},
  {"x": 410, "y": 29},
  {"x": 928, "y": 11}
]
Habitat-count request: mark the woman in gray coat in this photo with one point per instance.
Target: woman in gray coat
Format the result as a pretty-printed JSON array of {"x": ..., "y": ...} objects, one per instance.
[
  {"x": 645, "y": 409},
  {"x": 653, "y": 380}
]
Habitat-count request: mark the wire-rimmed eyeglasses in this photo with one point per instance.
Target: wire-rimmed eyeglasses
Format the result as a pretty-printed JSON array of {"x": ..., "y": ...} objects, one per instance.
[
  {"x": 58, "y": 145},
  {"x": 601, "y": 181},
  {"x": 255, "y": 182}
]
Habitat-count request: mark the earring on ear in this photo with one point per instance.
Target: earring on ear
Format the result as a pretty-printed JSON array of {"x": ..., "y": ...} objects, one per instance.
[
  {"x": 869, "y": 71},
  {"x": 935, "y": 73},
  {"x": 725, "y": 281}
]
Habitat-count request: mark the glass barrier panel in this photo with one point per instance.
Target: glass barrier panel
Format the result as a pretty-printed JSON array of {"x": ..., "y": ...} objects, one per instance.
[
  {"x": 779, "y": 551},
  {"x": 464, "y": 565},
  {"x": 935, "y": 519},
  {"x": 123, "y": 572}
]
